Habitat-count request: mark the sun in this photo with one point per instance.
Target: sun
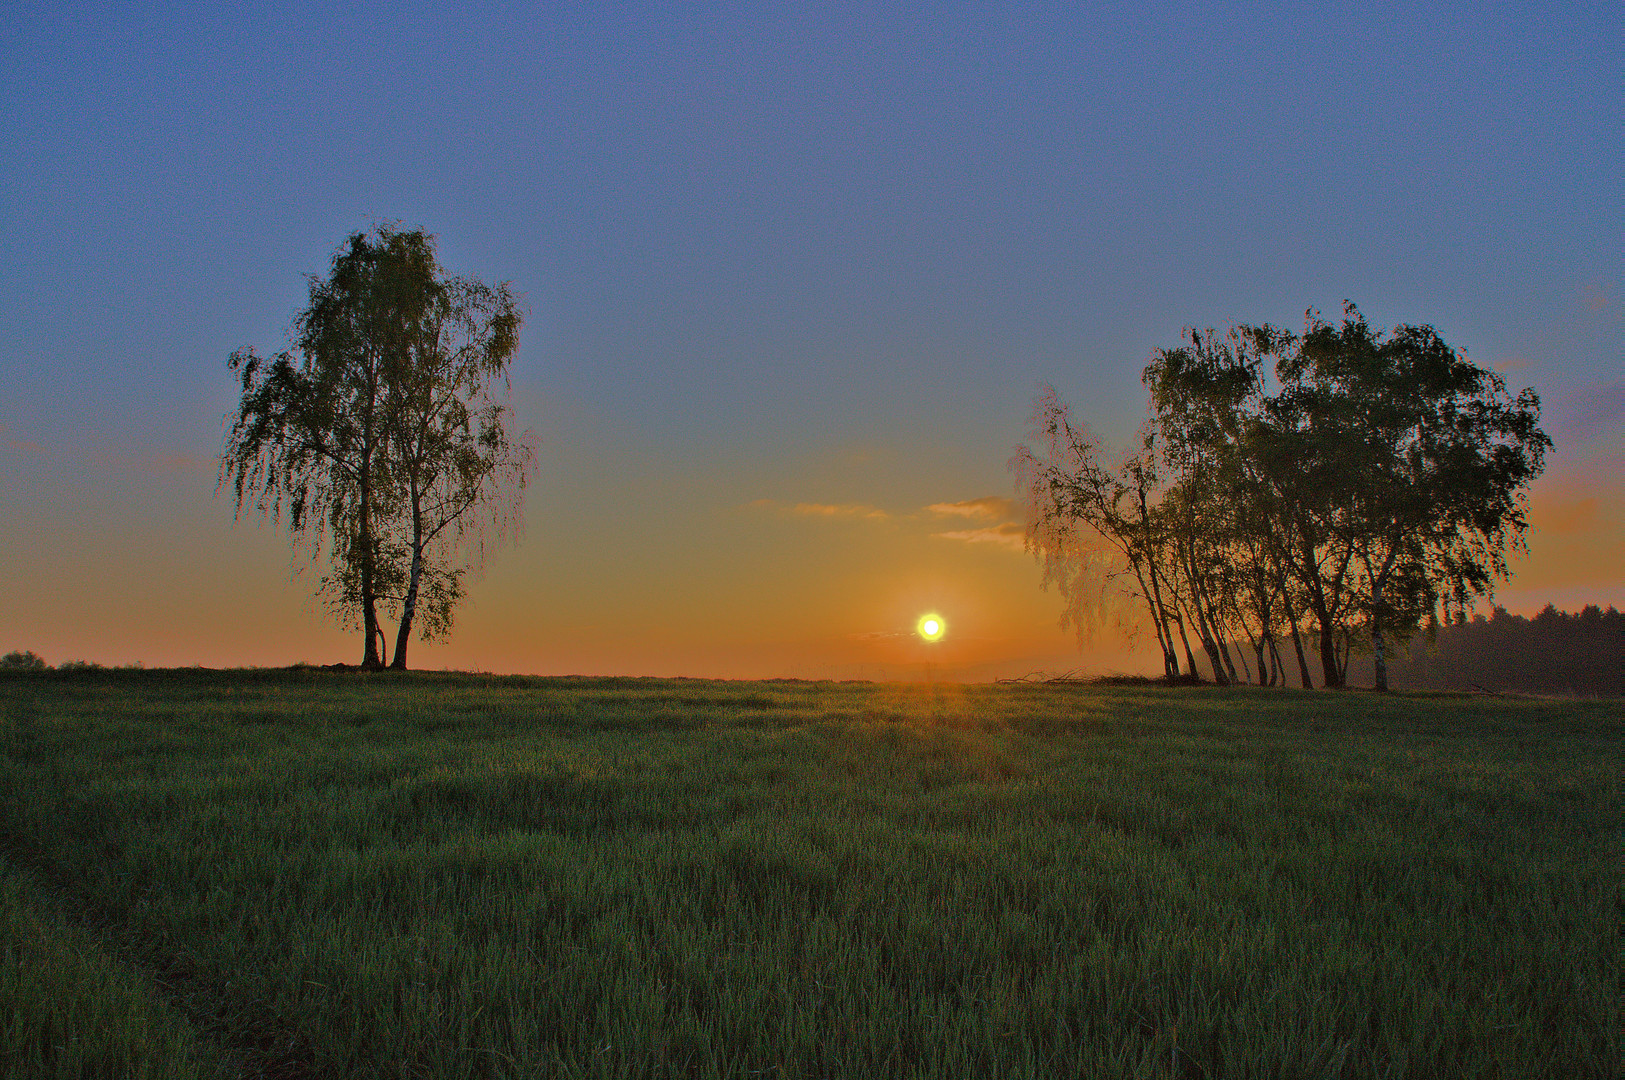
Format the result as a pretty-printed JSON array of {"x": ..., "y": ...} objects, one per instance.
[{"x": 931, "y": 627}]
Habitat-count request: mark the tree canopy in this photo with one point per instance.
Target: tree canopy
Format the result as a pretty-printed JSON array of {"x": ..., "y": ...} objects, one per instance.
[
  {"x": 1379, "y": 486},
  {"x": 380, "y": 437}
]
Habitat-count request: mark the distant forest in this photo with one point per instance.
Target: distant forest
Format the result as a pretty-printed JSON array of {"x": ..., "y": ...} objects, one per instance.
[{"x": 1553, "y": 653}]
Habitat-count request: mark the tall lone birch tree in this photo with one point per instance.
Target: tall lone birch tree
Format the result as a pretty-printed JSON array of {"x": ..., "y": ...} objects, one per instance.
[{"x": 380, "y": 437}]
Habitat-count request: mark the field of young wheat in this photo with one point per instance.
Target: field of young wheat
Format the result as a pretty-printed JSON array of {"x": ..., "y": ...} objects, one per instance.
[{"x": 300, "y": 874}]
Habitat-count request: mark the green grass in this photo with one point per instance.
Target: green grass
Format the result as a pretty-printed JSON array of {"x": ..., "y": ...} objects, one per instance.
[{"x": 311, "y": 874}]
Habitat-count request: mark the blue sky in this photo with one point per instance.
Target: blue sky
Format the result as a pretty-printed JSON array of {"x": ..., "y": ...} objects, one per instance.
[{"x": 817, "y": 256}]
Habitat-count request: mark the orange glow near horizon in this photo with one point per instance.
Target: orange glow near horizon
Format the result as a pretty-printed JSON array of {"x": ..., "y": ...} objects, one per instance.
[{"x": 579, "y": 594}]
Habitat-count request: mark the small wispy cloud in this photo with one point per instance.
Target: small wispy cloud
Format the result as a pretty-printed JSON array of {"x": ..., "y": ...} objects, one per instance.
[
  {"x": 988, "y": 508},
  {"x": 1593, "y": 296},
  {"x": 998, "y": 522},
  {"x": 838, "y": 510},
  {"x": 1593, "y": 412},
  {"x": 1006, "y": 534},
  {"x": 880, "y": 635},
  {"x": 27, "y": 445},
  {"x": 857, "y": 511}
]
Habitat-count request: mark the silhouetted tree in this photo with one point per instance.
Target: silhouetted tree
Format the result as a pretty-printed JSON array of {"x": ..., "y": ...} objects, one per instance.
[
  {"x": 1203, "y": 395},
  {"x": 378, "y": 433}
]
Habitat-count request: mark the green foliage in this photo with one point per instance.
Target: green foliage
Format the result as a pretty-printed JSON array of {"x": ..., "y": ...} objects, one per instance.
[
  {"x": 1408, "y": 458},
  {"x": 19, "y": 660},
  {"x": 474, "y": 876}
]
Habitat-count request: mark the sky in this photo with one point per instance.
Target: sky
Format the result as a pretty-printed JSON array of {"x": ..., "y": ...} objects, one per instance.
[{"x": 793, "y": 277}]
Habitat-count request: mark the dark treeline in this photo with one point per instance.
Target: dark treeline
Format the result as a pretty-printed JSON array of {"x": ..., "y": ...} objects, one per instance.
[
  {"x": 1295, "y": 499},
  {"x": 1553, "y": 653}
]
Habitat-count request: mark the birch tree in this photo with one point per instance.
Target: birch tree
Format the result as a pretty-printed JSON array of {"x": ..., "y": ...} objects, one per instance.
[
  {"x": 460, "y": 477},
  {"x": 1428, "y": 461},
  {"x": 380, "y": 436},
  {"x": 1070, "y": 494}
]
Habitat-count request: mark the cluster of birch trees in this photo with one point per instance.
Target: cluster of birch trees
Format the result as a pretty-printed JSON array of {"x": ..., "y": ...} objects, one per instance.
[{"x": 1293, "y": 495}]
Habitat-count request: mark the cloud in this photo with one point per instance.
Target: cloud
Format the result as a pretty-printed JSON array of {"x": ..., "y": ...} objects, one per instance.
[
  {"x": 1007, "y": 534},
  {"x": 879, "y": 635},
  {"x": 987, "y": 508},
  {"x": 1594, "y": 298},
  {"x": 19, "y": 444},
  {"x": 1593, "y": 412},
  {"x": 1002, "y": 528},
  {"x": 862, "y": 511},
  {"x": 838, "y": 510}
]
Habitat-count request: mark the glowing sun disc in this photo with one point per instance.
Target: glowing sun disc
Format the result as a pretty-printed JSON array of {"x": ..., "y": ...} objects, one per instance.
[{"x": 931, "y": 627}]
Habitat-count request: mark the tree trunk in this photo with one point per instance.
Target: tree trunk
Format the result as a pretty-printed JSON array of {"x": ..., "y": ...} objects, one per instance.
[
  {"x": 1377, "y": 651},
  {"x": 1170, "y": 661},
  {"x": 1331, "y": 672},
  {"x": 1159, "y": 617},
  {"x": 1224, "y": 649},
  {"x": 1165, "y": 637},
  {"x": 1205, "y": 633},
  {"x": 370, "y": 660},
  {"x": 408, "y": 610},
  {"x": 1230, "y": 664},
  {"x": 1190, "y": 656},
  {"x": 1331, "y": 677},
  {"x": 1303, "y": 661},
  {"x": 1247, "y": 672},
  {"x": 410, "y": 607},
  {"x": 1297, "y": 643}
]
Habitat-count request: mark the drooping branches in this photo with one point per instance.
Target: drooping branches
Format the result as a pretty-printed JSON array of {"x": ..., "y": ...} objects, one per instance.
[{"x": 1073, "y": 497}]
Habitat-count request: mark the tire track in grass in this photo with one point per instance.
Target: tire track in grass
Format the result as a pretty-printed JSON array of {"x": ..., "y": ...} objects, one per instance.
[
  {"x": 266, "y": 1046},
  {"x": 254, "y": 1042}
]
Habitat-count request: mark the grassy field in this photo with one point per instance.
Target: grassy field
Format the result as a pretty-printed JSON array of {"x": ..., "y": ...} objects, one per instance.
[{"x": 313, "y": 874}]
